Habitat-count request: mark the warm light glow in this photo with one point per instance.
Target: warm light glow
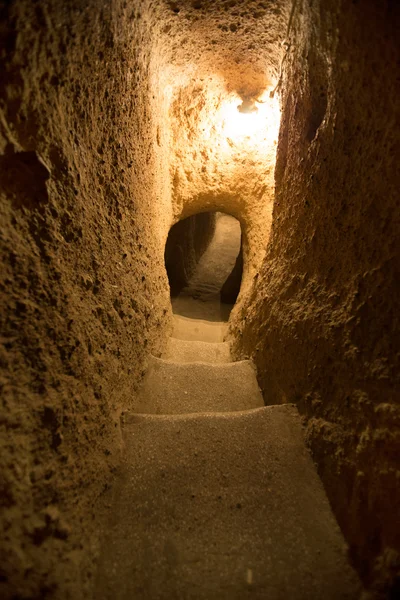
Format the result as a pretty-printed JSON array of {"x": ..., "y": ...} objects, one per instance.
[
  {"x": 238, "y": 124},
  {"x": 258, "y": 127}
]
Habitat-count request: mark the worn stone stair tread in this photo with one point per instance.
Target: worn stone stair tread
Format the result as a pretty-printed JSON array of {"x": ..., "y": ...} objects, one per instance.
[
  {"x": 185, "y": 328},
  {"x": 129, "y": 417},
  {"x": 173, "y": 388},
  {"x": 184, "y": 351},
  {"x": 221, "y": 507}
]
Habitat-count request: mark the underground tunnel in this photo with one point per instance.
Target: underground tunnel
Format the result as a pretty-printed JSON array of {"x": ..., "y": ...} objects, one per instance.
[
  {"x": 204, "y": 264},
  {"x": 144, "y": 456}
]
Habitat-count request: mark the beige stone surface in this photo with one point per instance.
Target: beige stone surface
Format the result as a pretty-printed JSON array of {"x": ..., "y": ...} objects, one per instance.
[
  {"x": 84, "y": 295},
  {"x": 209, "y": 58},
  {"x": 197, "y": 351},
  {"x": 116, "y": 121},
  {"x": 222, "y": 506},
  {"x": 321, "y": 322},
  {"x": 172, "y": 388},
  {"x": 186, "y": 328}
]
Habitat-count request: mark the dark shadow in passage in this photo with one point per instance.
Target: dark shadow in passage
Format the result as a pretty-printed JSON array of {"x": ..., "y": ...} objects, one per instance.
[
  {"x": 187, "y": 241},
  {"x": 204, "y": 265}
]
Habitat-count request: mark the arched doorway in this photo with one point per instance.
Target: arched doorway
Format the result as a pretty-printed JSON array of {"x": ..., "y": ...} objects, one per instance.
[{"x": 204, "y": 264}]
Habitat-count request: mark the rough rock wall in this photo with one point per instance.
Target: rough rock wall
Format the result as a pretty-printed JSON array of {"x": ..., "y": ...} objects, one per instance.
[
  {"x": 186, "y": 243},
  {"x": 84, "y": 295},
  {"x": 213, "y": 170},
  {"x": 238, "y": 40},
  {"x": 215, "y": 55},
  {"x": 322, "y": 322}
]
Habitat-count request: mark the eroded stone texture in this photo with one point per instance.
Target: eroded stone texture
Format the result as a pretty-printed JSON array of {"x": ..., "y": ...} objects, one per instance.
[
  {"x": 110, "y": 132},
  {"x": 84, "y": 294},
  {"x": 322, "y": 320},
  {"x": 210, "y": 58}
]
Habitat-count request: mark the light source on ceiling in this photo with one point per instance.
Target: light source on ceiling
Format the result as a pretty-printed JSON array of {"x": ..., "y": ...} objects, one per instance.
[
  {"x": 245, "y": 121},
  {"x": 248, "y": 106},
  {"x": 250, "y": 121},
  {"x": 241, "y": 123}
]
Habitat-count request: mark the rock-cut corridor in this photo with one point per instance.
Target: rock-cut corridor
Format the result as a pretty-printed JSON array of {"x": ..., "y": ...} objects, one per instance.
[
  {"x": 217, "y": 495},
  {"x": 199, "y": 273}
]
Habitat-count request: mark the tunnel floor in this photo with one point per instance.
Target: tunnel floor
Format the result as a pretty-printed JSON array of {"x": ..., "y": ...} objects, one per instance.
[
  {"x": 201, "y": 299},
  {"x": 217, "y": 496}
]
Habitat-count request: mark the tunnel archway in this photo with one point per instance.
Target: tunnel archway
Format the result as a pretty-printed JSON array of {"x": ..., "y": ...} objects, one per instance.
[{"x": 204, "y": 264}]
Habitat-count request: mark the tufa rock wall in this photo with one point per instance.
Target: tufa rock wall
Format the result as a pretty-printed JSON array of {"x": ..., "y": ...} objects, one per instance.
[
  {"x": 212, "y": 57},
  {"x": 322, "y": 320},
  {"x": 84, "y": 294}
]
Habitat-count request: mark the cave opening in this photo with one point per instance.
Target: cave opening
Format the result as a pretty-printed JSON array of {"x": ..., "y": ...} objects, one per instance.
[{"x": 204, "y": 264}]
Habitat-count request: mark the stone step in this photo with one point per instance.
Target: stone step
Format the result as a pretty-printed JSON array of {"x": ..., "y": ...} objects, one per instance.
[
  {"x": 176, "y": 388},
  {"x": 185, "y": 328},
  {"x": 184, "y": 351},
  {"x": 221, "y": 507}
]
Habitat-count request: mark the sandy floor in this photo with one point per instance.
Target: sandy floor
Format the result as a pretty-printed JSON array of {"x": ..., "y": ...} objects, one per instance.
[
  {"x": 200, "y": 299},
  {"x": 221, "y": 506},
  {"x": 217, "y": 496}
]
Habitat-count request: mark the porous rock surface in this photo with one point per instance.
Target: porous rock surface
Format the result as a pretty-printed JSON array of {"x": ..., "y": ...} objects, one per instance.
[
  {"x": 84, "y": 293},
  {"x": 88, "y": 154},
  {"x": 212, "y": 56},
  {"x": 110, "y": 132},
  {"x": 321, "y": 322}
]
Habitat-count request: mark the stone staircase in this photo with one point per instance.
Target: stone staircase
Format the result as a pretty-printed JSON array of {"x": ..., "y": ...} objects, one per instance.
[{"x": 218, "y": 497}]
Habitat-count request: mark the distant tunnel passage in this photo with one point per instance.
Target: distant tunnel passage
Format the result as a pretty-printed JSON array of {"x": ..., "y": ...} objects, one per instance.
[{"x": 204, "y": 263}]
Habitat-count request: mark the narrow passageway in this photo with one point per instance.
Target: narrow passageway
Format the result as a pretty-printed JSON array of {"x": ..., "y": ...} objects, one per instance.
[
  {"x": 199, "y": 226},
  {"x": 218, "y": 497},
  {"x": 201, "y": 297}
]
